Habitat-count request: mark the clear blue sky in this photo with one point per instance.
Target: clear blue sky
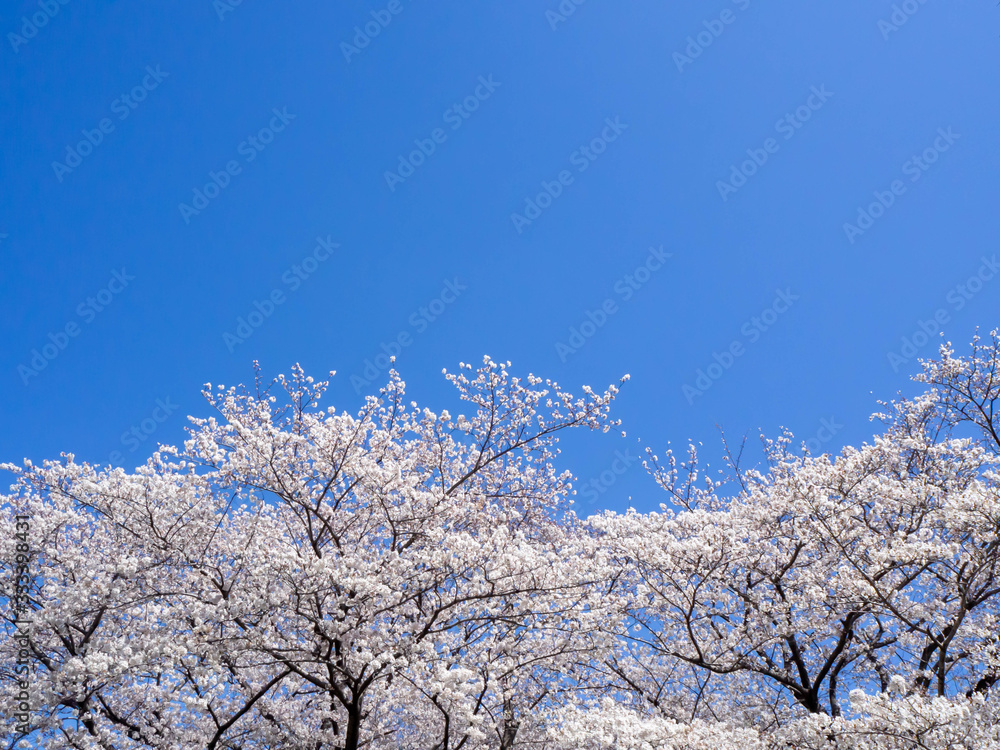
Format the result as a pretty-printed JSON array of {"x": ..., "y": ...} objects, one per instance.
[{"x": 115, "y": 114}]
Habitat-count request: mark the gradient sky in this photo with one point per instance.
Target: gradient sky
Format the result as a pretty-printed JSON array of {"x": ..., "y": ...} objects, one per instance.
[{"x": 736, "y": 138}]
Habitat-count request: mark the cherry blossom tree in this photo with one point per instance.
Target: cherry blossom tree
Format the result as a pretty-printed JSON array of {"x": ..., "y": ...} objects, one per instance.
[
  {"x": 294, "y": 577},
  {"x": 297, "y": 577},
  {"x": 823, "y": 584}
]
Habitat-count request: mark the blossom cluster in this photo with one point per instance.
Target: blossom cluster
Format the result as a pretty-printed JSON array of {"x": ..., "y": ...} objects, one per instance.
[{"x": 297, "y": 577}]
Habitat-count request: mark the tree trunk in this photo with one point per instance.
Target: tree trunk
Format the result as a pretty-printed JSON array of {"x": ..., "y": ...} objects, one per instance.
[{"x": 510, "y": 726}]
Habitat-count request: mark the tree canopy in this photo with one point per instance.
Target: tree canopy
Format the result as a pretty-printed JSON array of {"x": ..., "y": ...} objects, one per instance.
[{"x": 295, "y": 577}]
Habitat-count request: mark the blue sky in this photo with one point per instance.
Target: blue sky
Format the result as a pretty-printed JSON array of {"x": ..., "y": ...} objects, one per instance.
[{"x": 672, "y": 179}]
